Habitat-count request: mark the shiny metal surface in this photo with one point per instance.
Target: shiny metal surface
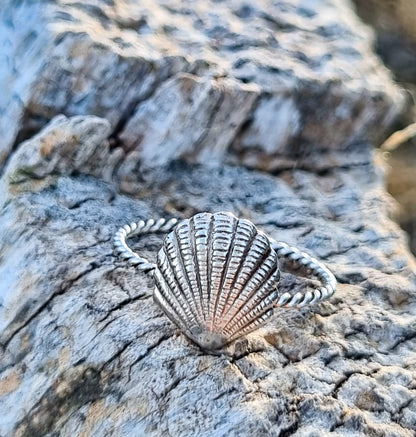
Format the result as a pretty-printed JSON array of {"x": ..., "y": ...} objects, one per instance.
[{"x": 216, "y": 275}]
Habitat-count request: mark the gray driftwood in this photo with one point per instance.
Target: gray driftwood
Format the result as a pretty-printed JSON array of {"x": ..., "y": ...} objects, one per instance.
[{"x": 84, "y": 350}]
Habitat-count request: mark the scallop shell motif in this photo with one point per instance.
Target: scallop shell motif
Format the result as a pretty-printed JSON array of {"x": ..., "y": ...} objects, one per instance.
[{"x": 216, "y": 278}]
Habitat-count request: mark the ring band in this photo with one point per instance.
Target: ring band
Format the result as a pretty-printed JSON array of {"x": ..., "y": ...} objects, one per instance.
[{"x": 217, "y": 276}]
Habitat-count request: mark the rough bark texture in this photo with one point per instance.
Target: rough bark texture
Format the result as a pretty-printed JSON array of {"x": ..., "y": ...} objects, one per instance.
[
  {"x": 84, "y": 350},
  {"x": 266, "y": 83}
]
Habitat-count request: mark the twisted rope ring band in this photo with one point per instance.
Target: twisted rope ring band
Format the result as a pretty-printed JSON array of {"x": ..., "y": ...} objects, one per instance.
[{"x": 216, "y": 276}]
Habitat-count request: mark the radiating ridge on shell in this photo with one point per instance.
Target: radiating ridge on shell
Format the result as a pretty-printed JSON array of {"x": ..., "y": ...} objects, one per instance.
[{"x": 216, "y": 278}]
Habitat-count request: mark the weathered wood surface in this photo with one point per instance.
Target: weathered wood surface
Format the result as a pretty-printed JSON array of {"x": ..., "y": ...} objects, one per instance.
[
  {"x": 269, "y": 82},
  {"x": 84, "y": 350}
]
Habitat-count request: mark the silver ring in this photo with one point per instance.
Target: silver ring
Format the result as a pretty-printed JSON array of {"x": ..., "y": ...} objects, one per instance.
[{"x": 217, "y": 276}]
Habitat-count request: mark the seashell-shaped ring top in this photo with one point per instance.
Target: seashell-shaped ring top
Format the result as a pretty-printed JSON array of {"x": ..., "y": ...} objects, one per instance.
[{"x": 217, "y": 276}]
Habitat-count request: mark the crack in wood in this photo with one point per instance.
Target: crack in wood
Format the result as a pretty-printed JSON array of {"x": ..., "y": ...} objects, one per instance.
[{"x": 64, "y": 287}]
